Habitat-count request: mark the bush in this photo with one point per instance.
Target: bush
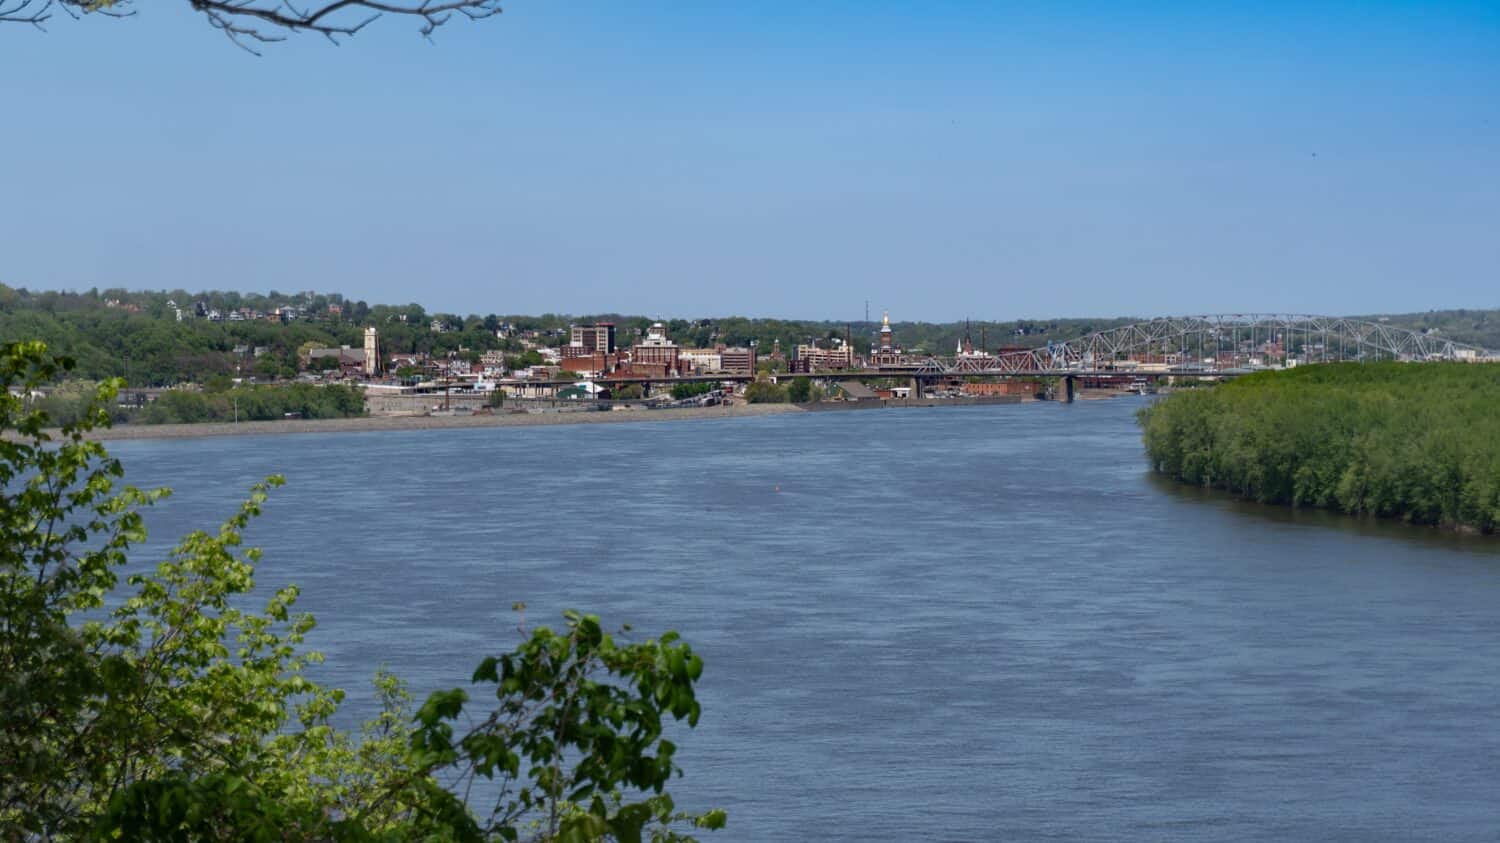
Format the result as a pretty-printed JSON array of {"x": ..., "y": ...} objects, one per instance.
[
  {"x": 168, "y": 709},
  {"x": 251, "y": 403},
  {"x": 765, "y": 392},
  {"x": 799, "y": 391},
  {"x": 682, "y": 391},
  {"x": 1418, "y": 441}
]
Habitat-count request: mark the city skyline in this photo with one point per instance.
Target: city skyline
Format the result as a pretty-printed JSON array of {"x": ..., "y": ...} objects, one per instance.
[{"x": 942, "y": 162}]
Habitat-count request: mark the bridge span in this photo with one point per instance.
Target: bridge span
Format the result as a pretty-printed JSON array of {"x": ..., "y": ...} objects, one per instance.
[{"x": 1212, "y": 347}]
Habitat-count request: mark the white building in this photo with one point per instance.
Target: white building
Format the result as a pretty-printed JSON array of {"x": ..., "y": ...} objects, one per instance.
[{"x": 703, "y": 359}]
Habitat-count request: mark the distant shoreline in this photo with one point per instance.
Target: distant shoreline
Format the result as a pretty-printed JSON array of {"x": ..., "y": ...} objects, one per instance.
[
  {"x": 381, "y": 423},
  {"x": 507, "y": 419}
]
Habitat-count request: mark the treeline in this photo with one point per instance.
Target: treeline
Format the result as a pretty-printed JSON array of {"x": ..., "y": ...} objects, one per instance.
[
  {"x": 136, "y": 335},
  {"x": 70, "y": 402},
  {"x": 253, "y": 403},
  {"x": 1476, "y": 327},
  {"x": 1417, "y": 441}
]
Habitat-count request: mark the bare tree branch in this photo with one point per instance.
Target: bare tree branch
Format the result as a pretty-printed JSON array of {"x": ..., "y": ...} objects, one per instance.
[
  {"x": 26, "y": 11},
  {"x": 251, "y": 22}
]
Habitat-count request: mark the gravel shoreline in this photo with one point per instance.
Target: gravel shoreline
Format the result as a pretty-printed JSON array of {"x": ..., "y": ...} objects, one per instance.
[{"x": 371, "y": 423}]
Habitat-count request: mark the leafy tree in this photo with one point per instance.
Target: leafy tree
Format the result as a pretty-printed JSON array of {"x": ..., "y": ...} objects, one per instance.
[
  {"x": 629, "y": 392},
  {"x": 799, "y": 391},
  {"x": 69, "y": 402},
  {"x": 259, "y": 402},
  {"x": 170, "y": 710},
  {"x": 682, "y": 391},
  {"x": 1417, "y": 441},
  {"x": 765, "y": 392}
]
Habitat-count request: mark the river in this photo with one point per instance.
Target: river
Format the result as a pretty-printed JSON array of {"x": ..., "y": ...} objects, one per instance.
[{"x": 930, "y": 624}]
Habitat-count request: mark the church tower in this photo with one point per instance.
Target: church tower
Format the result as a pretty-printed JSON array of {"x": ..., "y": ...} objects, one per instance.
[{"x": 372, "y": 353}]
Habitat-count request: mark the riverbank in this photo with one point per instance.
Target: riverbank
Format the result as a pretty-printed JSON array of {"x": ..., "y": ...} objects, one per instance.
[
  {"x": 515, "y": 419},
  {"x": 381, "y": 423}
]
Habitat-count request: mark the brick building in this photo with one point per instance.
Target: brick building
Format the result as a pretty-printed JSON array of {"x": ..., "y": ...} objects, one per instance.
[
  {"x": 815, "y": 359},
  {"x": 738, "y": 361},
  {"x": 589, "y": 339},
  {"x": 656, "y": 350}
]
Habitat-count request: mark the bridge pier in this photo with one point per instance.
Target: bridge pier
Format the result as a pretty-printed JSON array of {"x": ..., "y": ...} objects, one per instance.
[
  {"x": 916, "y": 388},
  {"x": 1064, "y": 389}
]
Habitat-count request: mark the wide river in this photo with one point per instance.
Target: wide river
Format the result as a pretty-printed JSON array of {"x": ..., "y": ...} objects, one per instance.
[{"x": 942, "y": 624}]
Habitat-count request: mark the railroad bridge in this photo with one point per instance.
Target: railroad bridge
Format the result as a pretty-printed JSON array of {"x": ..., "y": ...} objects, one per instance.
[{"x": 1215, "y": 346}]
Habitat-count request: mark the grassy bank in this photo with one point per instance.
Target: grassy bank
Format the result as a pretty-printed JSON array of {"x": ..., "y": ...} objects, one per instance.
[{"x": 1414, "y": 441}]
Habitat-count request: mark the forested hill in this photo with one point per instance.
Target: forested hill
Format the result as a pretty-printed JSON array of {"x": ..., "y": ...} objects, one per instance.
[
  {"x": 1414, "y": 441},
  {"x": 1475, "y": 327},
  {"x": 138, "y": 335}
]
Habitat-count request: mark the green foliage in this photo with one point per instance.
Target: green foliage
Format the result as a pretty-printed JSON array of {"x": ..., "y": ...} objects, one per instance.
[
  {"x": 134, "y": 335},
  {"x": 629, "y": 392},
  {"x": 248, "y": 403},
  {"x": 1415, "y": 441},
  {"x": 681, "y": 391},
  {"x": 70, "y": 402},
  {"x": 526, "y": 359},
  {"x": 799, "y": 391},
  {"x": 170, "y": 709},
  {"x": 765, "y": 392}
]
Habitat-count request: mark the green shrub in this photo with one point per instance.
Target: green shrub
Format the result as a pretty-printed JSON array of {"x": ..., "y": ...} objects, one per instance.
[{"x": 1418, "y": 441}]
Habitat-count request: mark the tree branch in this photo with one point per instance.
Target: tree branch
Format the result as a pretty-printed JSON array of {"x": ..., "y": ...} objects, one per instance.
[{"x": 250, "y": 22}]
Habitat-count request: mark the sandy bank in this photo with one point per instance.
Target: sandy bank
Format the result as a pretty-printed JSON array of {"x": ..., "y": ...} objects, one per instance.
[
  {"x": 372, "y": 423},
  {"x": 256, "y": 428}
]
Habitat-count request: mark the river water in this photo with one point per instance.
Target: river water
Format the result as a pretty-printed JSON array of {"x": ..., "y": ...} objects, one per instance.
[{"x": 932, "y": 624}]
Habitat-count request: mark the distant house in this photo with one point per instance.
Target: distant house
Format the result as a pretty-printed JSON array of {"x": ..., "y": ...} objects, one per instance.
[
  {"x": 493, "y": 362},
  {"x": 348, "y": 360}
]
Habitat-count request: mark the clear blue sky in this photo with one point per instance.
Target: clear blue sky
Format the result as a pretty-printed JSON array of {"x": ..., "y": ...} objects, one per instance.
[{"x": 938, "y": 159}]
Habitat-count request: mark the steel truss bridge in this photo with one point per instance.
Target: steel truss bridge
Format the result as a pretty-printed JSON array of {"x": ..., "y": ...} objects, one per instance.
[{"x": 1218, "y": 344}]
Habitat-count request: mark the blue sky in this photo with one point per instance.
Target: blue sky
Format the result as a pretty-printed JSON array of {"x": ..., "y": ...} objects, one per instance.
[{"x": 939, "y": 159}]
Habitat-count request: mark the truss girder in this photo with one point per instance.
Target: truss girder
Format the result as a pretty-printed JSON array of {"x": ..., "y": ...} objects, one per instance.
[{"x": 1191, "y": 338}]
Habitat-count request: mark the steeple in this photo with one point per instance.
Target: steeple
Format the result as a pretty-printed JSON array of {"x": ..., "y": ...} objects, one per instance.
[{"x": 887, "y": 342}]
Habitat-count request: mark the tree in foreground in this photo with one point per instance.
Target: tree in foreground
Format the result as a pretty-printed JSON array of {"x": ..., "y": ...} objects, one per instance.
[
  {"x": 162, "y": 709},
  {"x": 265, "y": 21}
]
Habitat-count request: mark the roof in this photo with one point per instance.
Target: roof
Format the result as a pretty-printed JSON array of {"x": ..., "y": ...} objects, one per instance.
[{"x": 857, "y": 390}]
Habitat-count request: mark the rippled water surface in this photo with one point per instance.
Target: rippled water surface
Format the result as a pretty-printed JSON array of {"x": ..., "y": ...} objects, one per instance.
[{"x": 946, "y": 624}]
